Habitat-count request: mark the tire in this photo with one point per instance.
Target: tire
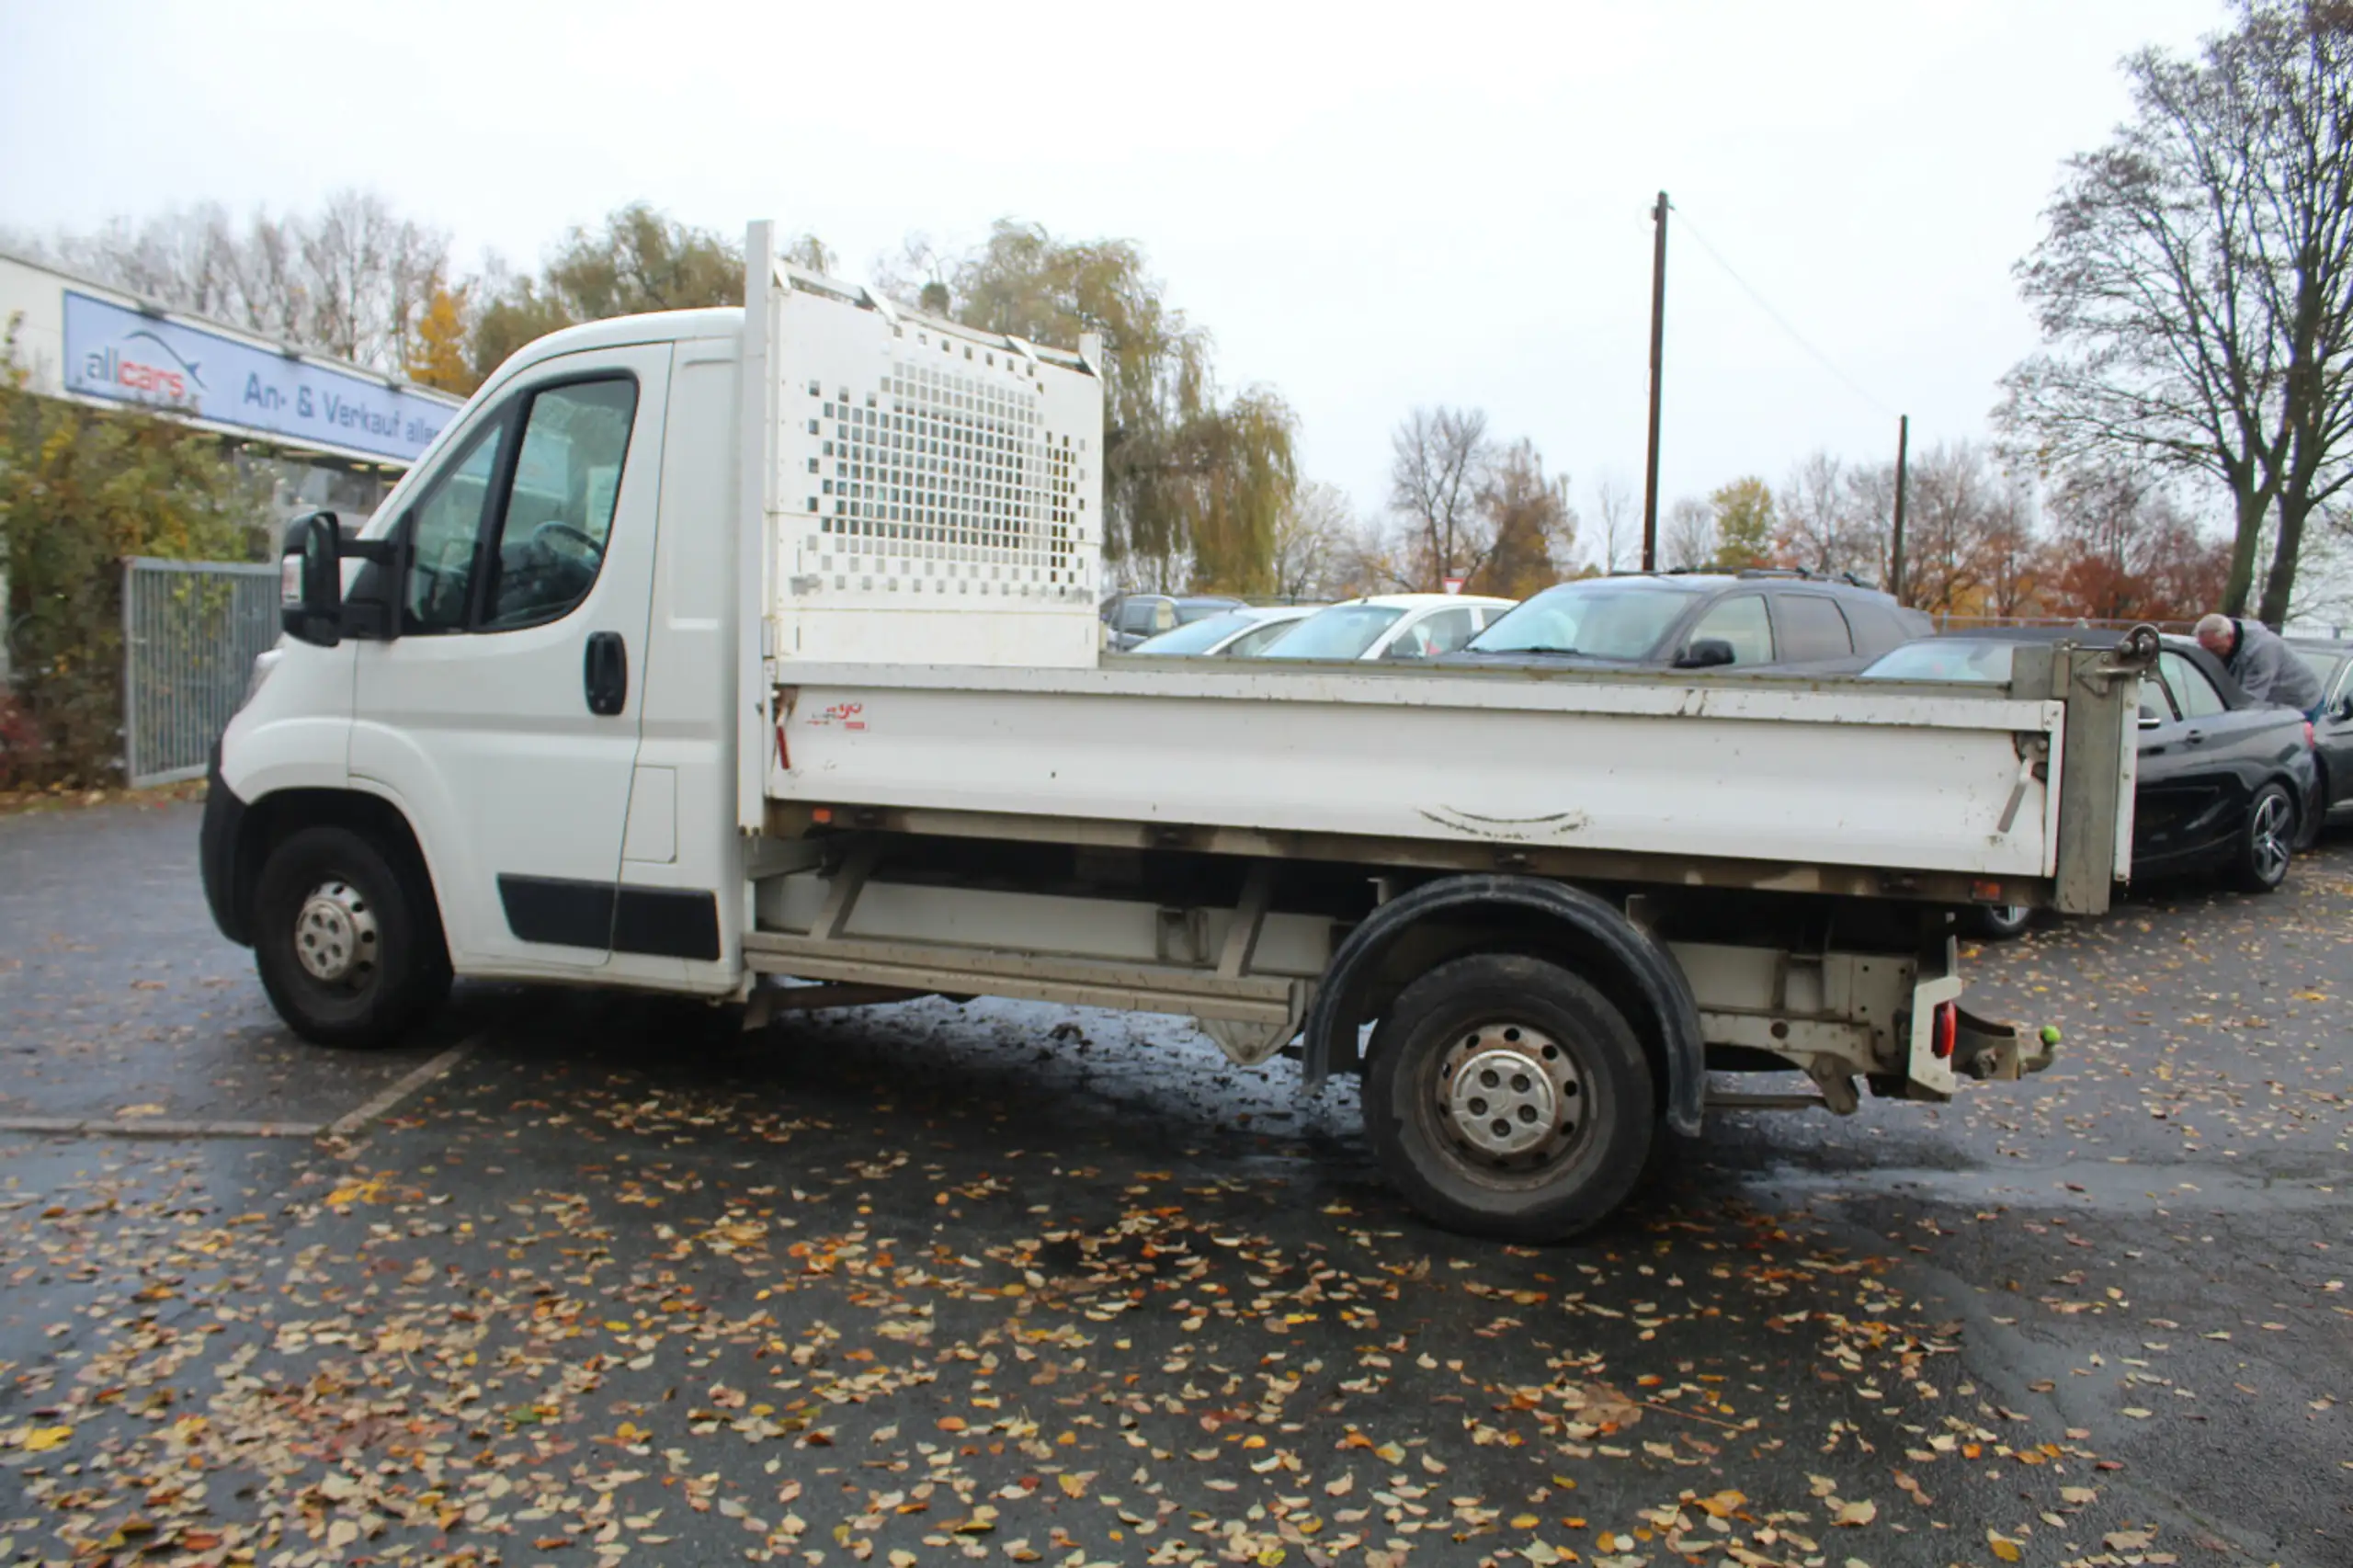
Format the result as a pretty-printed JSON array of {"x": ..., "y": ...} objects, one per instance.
[
  {"x": 2266, "y": 841},
  {"x": 1998, "y": 922},
  {"x": 1604, "y": 1113},
  {"x": 333, "y": 892}
]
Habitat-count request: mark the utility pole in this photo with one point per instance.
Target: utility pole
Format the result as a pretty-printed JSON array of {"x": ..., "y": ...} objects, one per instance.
[
  {"x": 1895, "y": 553},
  {"x": 1659, "y": 346}
]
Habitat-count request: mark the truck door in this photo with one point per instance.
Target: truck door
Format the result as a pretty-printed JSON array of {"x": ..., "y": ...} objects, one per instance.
[{"x": 503, "y": 716}]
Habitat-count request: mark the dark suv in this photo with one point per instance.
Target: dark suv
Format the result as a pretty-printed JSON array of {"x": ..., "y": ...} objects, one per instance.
[
  {"x": 1130, "y": 618},
  {"x": 1700, "y": 620}
]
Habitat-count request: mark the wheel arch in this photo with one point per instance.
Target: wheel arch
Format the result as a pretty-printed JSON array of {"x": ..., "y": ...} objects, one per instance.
[
  {"x": 269, "y": 821},
  {"x": 1457, "y": 916}
]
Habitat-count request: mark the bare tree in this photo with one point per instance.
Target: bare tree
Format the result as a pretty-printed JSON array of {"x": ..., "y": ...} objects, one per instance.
[
  {"x": 1951, "y": 496},
  {"x": 1439, "y": 467},
  {"x": 1312, "y": 536},
  {"x": 1620, "y": 538},
  {"x": 1687, "y": 543},
  {"x": 350, "y": 280},
  {"x": 2195, "y": 283}
]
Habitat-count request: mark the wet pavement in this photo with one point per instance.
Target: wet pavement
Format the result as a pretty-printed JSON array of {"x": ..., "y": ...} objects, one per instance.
[{"x": 1020, "y": 1283}]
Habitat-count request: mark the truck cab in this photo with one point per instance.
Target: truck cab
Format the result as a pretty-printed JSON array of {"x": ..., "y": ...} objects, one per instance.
[{"x": 469, "y": 737}]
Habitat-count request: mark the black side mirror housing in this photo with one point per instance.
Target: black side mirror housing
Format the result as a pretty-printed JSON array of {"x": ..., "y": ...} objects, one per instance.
[
  {"x": 2345, "y": 707},
  {"x": 1707, "y": 653},
  {"x": 310, "y": 584}
]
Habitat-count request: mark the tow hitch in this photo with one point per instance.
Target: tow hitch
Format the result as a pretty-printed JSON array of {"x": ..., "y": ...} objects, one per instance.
[{"x": 1983, "y": 1050}]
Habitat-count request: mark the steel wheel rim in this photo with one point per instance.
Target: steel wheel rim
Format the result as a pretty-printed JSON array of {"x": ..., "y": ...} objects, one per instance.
[
  {"x": 2270, "y": 835},
  {"x": 335, "y": 938},
  {"x": 1508, "y": 1102}
]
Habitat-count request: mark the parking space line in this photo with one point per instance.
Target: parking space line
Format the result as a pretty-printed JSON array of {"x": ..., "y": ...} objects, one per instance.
[
  {"x": 378, "y": 1105},
  {"x": 155, "y": 1127},
  {"x": 177, "y": 1127}
]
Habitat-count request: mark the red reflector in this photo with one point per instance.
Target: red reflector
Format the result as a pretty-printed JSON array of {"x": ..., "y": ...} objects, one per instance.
[
  {"x": 1985, "y": 892},
  {"x": 1944, "y": 1029},
  {"x": 822, "y": 813}
]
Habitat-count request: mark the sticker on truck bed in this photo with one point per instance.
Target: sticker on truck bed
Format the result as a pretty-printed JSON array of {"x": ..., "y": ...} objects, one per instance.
[{"x": 848, "y": 715}]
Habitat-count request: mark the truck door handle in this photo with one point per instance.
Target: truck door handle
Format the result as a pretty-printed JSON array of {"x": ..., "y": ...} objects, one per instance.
[
  {"x": 2195, "y": 737},
  {"x": 605, "y": 673}
]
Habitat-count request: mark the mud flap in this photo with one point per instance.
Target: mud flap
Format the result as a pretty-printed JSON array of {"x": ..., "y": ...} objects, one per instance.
[{"x": 1987, "y": 1050}]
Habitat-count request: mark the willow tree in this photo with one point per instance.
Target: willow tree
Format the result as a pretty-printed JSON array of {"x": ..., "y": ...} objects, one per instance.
[
  {"x": 639, "y": 259},
  {"x": 1188, "y": 476}
]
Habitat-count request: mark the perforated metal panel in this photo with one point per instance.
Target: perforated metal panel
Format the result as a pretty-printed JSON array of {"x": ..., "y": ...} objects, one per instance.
[{"x": 936, "y": 496}]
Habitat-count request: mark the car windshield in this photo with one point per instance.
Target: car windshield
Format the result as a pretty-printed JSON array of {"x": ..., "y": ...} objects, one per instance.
[
  {"x": 2322, "y": 663},
  {"x": 1197, "y": 637},
  {"x": 1604, "y": 618},
  {"x": 1344, "y": 632},
  {"x": 1938, "y": 659}
]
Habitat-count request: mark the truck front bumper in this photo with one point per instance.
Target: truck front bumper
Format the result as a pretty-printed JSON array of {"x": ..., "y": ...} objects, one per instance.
[{"x": 224, "y": 819}]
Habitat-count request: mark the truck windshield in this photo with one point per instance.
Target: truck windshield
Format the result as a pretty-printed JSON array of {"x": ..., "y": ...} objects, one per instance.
[
  {"x": 1344, "y": 632},
  {"x": 1601, "y": 619},
  {"x": 1196, "y": 636}
]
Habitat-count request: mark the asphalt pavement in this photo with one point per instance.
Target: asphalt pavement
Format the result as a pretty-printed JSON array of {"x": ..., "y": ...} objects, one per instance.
[{"x": 584, "y": 1278}]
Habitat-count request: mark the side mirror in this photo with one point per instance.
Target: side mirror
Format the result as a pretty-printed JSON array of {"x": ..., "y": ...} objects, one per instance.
[
  {"x": 2344, "y": 708},
  {"x": 310, "y": 580},
  {"x": 1706, "y": 654}
]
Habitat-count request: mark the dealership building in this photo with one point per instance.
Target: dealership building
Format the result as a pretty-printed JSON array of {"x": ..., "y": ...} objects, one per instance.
[{"x": 323, "y": 433}]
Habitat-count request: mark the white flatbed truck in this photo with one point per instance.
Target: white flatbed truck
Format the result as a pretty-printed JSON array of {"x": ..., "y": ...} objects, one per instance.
[{"x": 752, "y": 655}]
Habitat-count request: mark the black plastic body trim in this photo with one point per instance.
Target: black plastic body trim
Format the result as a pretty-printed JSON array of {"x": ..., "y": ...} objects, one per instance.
[
  {"x": 1647, "y": 966},
  {"x": 216, "y": 853},
  {"x": 663, "y": 922}
]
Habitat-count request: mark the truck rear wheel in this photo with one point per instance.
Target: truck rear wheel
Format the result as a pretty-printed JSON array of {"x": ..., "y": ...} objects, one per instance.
[
  {"x": 1507, "y": 1098},
  {"x": 349, "y": 957}
]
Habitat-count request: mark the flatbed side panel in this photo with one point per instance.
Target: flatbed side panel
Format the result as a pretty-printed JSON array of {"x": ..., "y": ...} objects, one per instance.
[{"x": 1812, "y": 785}]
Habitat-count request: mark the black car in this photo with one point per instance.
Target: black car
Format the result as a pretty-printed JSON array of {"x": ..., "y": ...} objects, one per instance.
[
  {"x": 1699, "y": 620},
  {"x": 2226, "y": 784},
  {"x": 1128, "y": 619},
  {"x": 2332, "y": 738}
]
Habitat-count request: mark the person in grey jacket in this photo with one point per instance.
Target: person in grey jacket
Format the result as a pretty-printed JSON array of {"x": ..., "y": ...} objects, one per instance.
[{"x": 2265, "y": 668}]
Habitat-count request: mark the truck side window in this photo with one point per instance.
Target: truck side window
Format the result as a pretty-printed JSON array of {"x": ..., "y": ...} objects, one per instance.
[
  {"x": 1739, "y": 621},
  {"x": 444, "y": 530},
  {"x": 560, "y": 503}
]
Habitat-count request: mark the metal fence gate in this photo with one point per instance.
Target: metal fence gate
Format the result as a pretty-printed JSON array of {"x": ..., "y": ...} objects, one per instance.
[{"x": 190, "y": 632}]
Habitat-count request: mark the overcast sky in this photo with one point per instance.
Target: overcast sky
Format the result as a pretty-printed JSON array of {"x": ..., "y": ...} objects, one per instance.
[{"x": 1371, "y": 207}]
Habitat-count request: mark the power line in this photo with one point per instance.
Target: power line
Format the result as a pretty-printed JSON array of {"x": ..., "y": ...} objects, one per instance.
[{"x": 1780, "y": 320}]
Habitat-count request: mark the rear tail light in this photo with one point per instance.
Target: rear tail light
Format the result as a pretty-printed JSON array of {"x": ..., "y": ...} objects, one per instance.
[{"x": 1944, "y": 1029}]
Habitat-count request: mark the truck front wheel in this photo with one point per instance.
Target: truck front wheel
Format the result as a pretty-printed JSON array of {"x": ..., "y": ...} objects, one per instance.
[
  {"x": 346, "y": 952},
  {"x": 1507, "y": 1098}
]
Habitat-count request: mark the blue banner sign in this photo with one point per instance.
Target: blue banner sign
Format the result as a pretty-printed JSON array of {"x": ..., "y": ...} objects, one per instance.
[{"x": 116, "y": 353}]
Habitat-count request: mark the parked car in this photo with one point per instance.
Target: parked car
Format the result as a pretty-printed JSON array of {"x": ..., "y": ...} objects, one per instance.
[
  {"x": 1231, "y": 634},
  {"x": 2333, "y": 731},
  {"x": 2226, "y": 785},
  {"x": 1699, "y": 620},
  {"x": 1131, "y": 618},
  {"x": 1389, "y": 626}
]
